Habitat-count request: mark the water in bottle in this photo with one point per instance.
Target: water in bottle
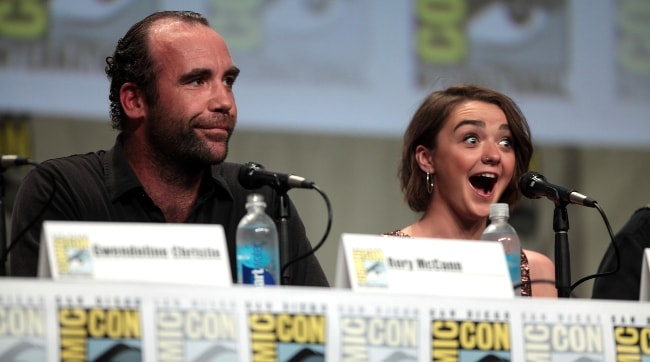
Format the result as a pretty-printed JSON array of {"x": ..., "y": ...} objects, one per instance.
[
  {"x": 500, "y": 230},
  {"x": 258, "y": 261}
]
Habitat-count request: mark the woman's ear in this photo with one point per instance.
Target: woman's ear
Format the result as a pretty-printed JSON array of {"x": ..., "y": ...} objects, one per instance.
[
  {"x": 424, "y": 158},
  {"x": 132, "y": 101}
]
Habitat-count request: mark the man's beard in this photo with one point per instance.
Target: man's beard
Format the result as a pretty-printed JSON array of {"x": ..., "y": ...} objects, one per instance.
[{"x": 180, "y": 145}]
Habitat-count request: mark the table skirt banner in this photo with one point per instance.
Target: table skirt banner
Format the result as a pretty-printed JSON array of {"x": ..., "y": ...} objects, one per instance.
[{"x": 45, "y": 320}]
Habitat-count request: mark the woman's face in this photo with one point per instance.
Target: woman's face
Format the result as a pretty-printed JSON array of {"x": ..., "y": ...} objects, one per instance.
[{"x": 473, "y": 161}]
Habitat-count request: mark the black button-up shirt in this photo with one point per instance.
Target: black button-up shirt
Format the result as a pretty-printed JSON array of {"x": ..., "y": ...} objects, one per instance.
[{"x": 101, "y": 186}]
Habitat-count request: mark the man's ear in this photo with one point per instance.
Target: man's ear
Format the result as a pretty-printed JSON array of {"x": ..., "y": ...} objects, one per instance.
[
  {"x": 424, "y": 158},
  {"x": 132, "y": 101}
]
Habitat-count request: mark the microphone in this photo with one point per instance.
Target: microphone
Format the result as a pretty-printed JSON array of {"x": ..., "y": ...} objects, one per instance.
[
  {"x": 253, "y": 175},
  {"x": 7, "y": 161},
  {"x": 533, "y": 186}
]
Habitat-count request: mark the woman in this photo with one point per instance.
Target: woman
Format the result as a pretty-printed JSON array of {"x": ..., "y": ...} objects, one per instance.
[{"x": 465, "y": 149}]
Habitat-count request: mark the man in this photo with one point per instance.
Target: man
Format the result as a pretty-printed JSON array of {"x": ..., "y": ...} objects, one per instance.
[
  {"x": 172, "y": 100},
  {"x": 631, "y": 242}
]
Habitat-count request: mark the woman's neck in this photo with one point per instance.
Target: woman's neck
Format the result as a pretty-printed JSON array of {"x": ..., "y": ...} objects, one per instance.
[{"x": 447, "y": 226}]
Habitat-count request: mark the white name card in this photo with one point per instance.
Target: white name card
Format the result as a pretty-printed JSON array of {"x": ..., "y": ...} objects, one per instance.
[
  {"x": 135, "y": 252},
  {"x": 441, "y": 267},
  {"x": 644, "y": 291}
]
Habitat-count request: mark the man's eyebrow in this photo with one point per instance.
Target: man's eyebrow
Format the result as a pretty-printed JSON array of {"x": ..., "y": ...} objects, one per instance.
[
  {"x": 196, "y": 73},
  {"x": 202, "y": 73},
  {"x": 233, "y": 71}
]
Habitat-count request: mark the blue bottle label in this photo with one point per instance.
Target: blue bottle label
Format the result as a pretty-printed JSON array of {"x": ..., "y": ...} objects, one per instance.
[
  {"x": 252, "y": 261},
  {"x": 256, "y": 276},
  {"x": 514, "y": 267}
]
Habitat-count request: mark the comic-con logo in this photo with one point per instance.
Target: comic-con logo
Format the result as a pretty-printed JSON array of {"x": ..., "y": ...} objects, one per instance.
[
  {"x": 370, "y": 267},
  {"x": 287, "y": 337},
  {"x": 73, "y": 255},
  {"x": 98, "y": 334},
  {"x": 469, "y": 340}
]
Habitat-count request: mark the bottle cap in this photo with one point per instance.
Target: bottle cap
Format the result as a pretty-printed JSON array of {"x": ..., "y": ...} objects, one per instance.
[
  {"x": 499, "y": 209},
  {"x": 255, "y": 200}
]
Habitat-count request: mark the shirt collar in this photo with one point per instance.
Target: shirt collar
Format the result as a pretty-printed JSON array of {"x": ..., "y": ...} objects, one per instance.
[{"x": 121, "y": 180}]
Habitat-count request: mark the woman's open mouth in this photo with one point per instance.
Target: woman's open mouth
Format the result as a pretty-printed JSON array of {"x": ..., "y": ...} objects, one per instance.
[{"x": 484, "y": 183}]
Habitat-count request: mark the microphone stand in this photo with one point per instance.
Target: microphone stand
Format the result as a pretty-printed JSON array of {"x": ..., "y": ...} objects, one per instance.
[
  {"x": 562, "y": 258},
  {"x": 282, "y": 224},
  {"x": 283, "y": 234}
]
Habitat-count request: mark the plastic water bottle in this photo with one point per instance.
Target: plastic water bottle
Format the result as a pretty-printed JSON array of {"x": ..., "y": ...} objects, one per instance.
[
  {"x": 258, "y": 260},
  {"x": 501, "y": 230}
]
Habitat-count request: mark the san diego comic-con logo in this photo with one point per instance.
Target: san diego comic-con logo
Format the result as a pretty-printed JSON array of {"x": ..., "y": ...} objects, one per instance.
[
  {"x": 284, "y": 337},
  {"x": 22, "y": 331},
  {"x": 195, "y": 335},
  {"x": 469, "y": 340},
  {"x": 99, "y": 334},
  {"x": 72, "y": 255},
  {"x": 370, "y": 267},
  {"x": 365, "y": 338},
  {"x": 561, "y": 341}
]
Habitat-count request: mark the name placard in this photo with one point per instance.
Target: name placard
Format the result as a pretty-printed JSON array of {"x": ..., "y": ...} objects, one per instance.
[
  {"x": 442, "y": 267},
  {"x": 644, "y": 291},
  {"x": 135, "y": 252}
]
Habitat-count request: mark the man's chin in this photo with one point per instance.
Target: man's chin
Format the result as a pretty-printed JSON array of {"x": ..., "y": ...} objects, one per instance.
[
  {"x": 218, "y": 157},
  {"x": 203, "y": 159},
  {"x": 207, "y": 153}
]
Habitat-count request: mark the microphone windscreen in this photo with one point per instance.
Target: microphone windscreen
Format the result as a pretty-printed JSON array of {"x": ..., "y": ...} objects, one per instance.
[
  {"x": 247, "y": 178},
  {"x": 527, "y": 182}
]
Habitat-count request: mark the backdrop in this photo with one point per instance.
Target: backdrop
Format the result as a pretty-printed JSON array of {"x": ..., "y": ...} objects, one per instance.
[{"x": 579, "y": 69}]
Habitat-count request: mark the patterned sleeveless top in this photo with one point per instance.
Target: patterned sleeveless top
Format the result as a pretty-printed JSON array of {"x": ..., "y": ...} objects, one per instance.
[{"x": 526, "y": 290}]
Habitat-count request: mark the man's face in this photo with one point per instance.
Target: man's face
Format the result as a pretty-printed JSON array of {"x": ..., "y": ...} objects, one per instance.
[{"x": 196, "y": 112}]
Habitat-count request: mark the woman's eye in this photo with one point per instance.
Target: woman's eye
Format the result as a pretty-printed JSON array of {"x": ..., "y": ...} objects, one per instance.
[
  {"x": 506, "y": 142},
  {"x": 471, "y": 139}
]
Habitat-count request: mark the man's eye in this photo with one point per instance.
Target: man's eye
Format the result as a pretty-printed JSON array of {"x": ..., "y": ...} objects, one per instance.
[{"x": 229, "y": 81}]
